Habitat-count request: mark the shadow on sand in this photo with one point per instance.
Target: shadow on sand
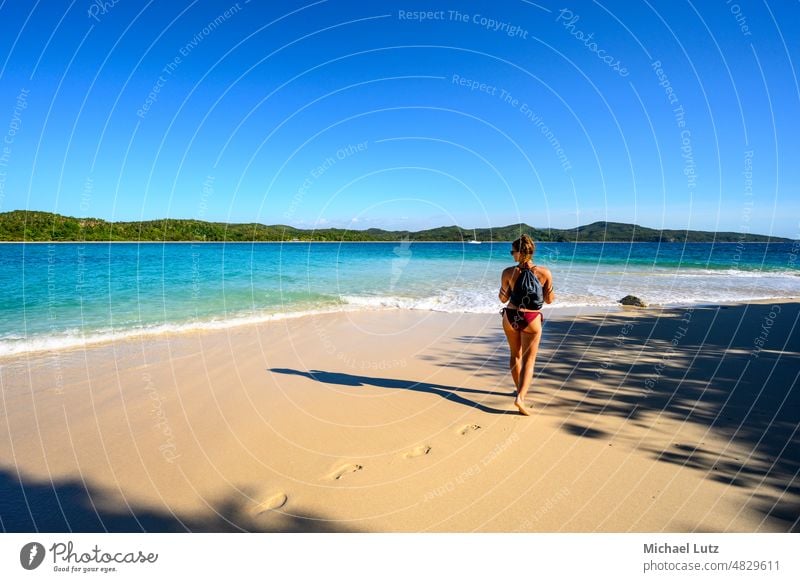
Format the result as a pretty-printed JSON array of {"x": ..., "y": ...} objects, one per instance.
[
  {"x": 702, "y": 366},
  {"x": 450, "y": 393},
  {"x": 28, "y": 505}
]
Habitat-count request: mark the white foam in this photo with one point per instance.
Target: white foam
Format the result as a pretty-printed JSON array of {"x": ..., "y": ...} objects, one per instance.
[
  {"x": 74, "y": 338},
  {"x": 450, "y": 301},
  {"x": 728, "y": 273},
  {"x": 575, "y": 291}
]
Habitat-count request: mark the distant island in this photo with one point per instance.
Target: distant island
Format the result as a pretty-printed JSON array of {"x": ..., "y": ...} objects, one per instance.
[{"x": 35, "y": 226}]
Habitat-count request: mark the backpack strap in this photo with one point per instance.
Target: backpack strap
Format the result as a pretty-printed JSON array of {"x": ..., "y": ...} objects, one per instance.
[
  {"x": 515, "y": 276},
  {"x": 518, "y": 272}
]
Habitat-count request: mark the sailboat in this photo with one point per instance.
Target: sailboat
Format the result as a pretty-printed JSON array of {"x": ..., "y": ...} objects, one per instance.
[{"x": 474, "y": 240}]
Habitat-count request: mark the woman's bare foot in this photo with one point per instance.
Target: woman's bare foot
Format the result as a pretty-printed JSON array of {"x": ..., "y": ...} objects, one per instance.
[{"x": 521, "y": 405}]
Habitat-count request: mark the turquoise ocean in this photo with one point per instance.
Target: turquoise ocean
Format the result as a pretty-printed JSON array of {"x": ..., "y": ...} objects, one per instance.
[{"x": 69, "y": 294}]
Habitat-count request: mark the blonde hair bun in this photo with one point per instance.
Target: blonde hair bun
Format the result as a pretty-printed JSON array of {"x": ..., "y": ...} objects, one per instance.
[{"x": 524, "y": 245}]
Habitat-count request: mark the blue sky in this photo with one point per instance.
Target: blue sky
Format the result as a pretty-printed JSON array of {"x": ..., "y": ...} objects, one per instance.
[{"x": 364, "y": 114}]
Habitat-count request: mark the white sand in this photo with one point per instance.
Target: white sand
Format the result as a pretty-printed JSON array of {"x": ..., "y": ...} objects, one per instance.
[{"x": 407, "y": 423}]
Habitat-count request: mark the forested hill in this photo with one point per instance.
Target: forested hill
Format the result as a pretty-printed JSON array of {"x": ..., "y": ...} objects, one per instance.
[{"x": 21, "y": 225}]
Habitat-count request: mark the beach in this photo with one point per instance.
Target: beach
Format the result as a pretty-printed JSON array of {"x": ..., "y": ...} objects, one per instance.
[{"x": 663, "y": 419}]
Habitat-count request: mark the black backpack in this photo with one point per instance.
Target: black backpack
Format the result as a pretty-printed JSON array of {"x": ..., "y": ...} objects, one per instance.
[{"x": 528, "y": 292}]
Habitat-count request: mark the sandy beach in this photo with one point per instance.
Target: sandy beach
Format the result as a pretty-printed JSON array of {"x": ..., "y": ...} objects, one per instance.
[{"x": 653, "y": 420}]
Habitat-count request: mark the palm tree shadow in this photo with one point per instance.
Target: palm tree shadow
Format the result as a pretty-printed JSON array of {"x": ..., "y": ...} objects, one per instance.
[
  {"x": 447, "y": 392},
  {"x": 695, "y": 366},
  {"x": 65, "y": 505}
]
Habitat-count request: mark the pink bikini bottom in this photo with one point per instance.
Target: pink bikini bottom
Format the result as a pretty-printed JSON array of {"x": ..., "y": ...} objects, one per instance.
[{"x": 519, "y": 320}]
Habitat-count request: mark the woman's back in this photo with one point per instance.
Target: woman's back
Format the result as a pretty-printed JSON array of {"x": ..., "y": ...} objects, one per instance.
[{"x": 527, "y": 291}]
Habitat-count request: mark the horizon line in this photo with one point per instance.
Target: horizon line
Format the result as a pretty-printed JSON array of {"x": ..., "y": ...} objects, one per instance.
[{"x": 320, "y": 228}]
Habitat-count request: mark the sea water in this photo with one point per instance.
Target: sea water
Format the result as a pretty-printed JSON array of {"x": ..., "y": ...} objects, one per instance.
[{"x": 66, "y": 294}]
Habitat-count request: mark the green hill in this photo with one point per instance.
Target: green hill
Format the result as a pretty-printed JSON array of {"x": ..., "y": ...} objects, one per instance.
[{"x": 22, "y": 225}]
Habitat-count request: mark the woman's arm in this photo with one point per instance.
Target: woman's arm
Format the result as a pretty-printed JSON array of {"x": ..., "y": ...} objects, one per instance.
[
  {"x": 505, "y": 292},
  {"x": 549, "y": 294}
]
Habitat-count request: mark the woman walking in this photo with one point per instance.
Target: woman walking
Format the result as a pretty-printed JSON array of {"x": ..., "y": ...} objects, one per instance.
[{"x": 526, "y": 287}]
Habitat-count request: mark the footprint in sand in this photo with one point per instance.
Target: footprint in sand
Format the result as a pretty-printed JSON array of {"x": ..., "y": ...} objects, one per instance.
[
  {"x": 417, "y": 452},
  {"x": 468, "y": 429},
  {"x": 344, "y": 470},
  {"x": 275, "y": 501}
]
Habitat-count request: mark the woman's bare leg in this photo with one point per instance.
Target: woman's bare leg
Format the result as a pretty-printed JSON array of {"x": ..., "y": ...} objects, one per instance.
[
  {"x": 515, "y": 346},
  {"x": 530, "y": 347}
]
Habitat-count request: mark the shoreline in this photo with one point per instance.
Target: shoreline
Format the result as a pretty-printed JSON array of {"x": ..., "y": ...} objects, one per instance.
[
  {"x": 163, "y": 330},
  {"x": 666, "y": 420}
]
